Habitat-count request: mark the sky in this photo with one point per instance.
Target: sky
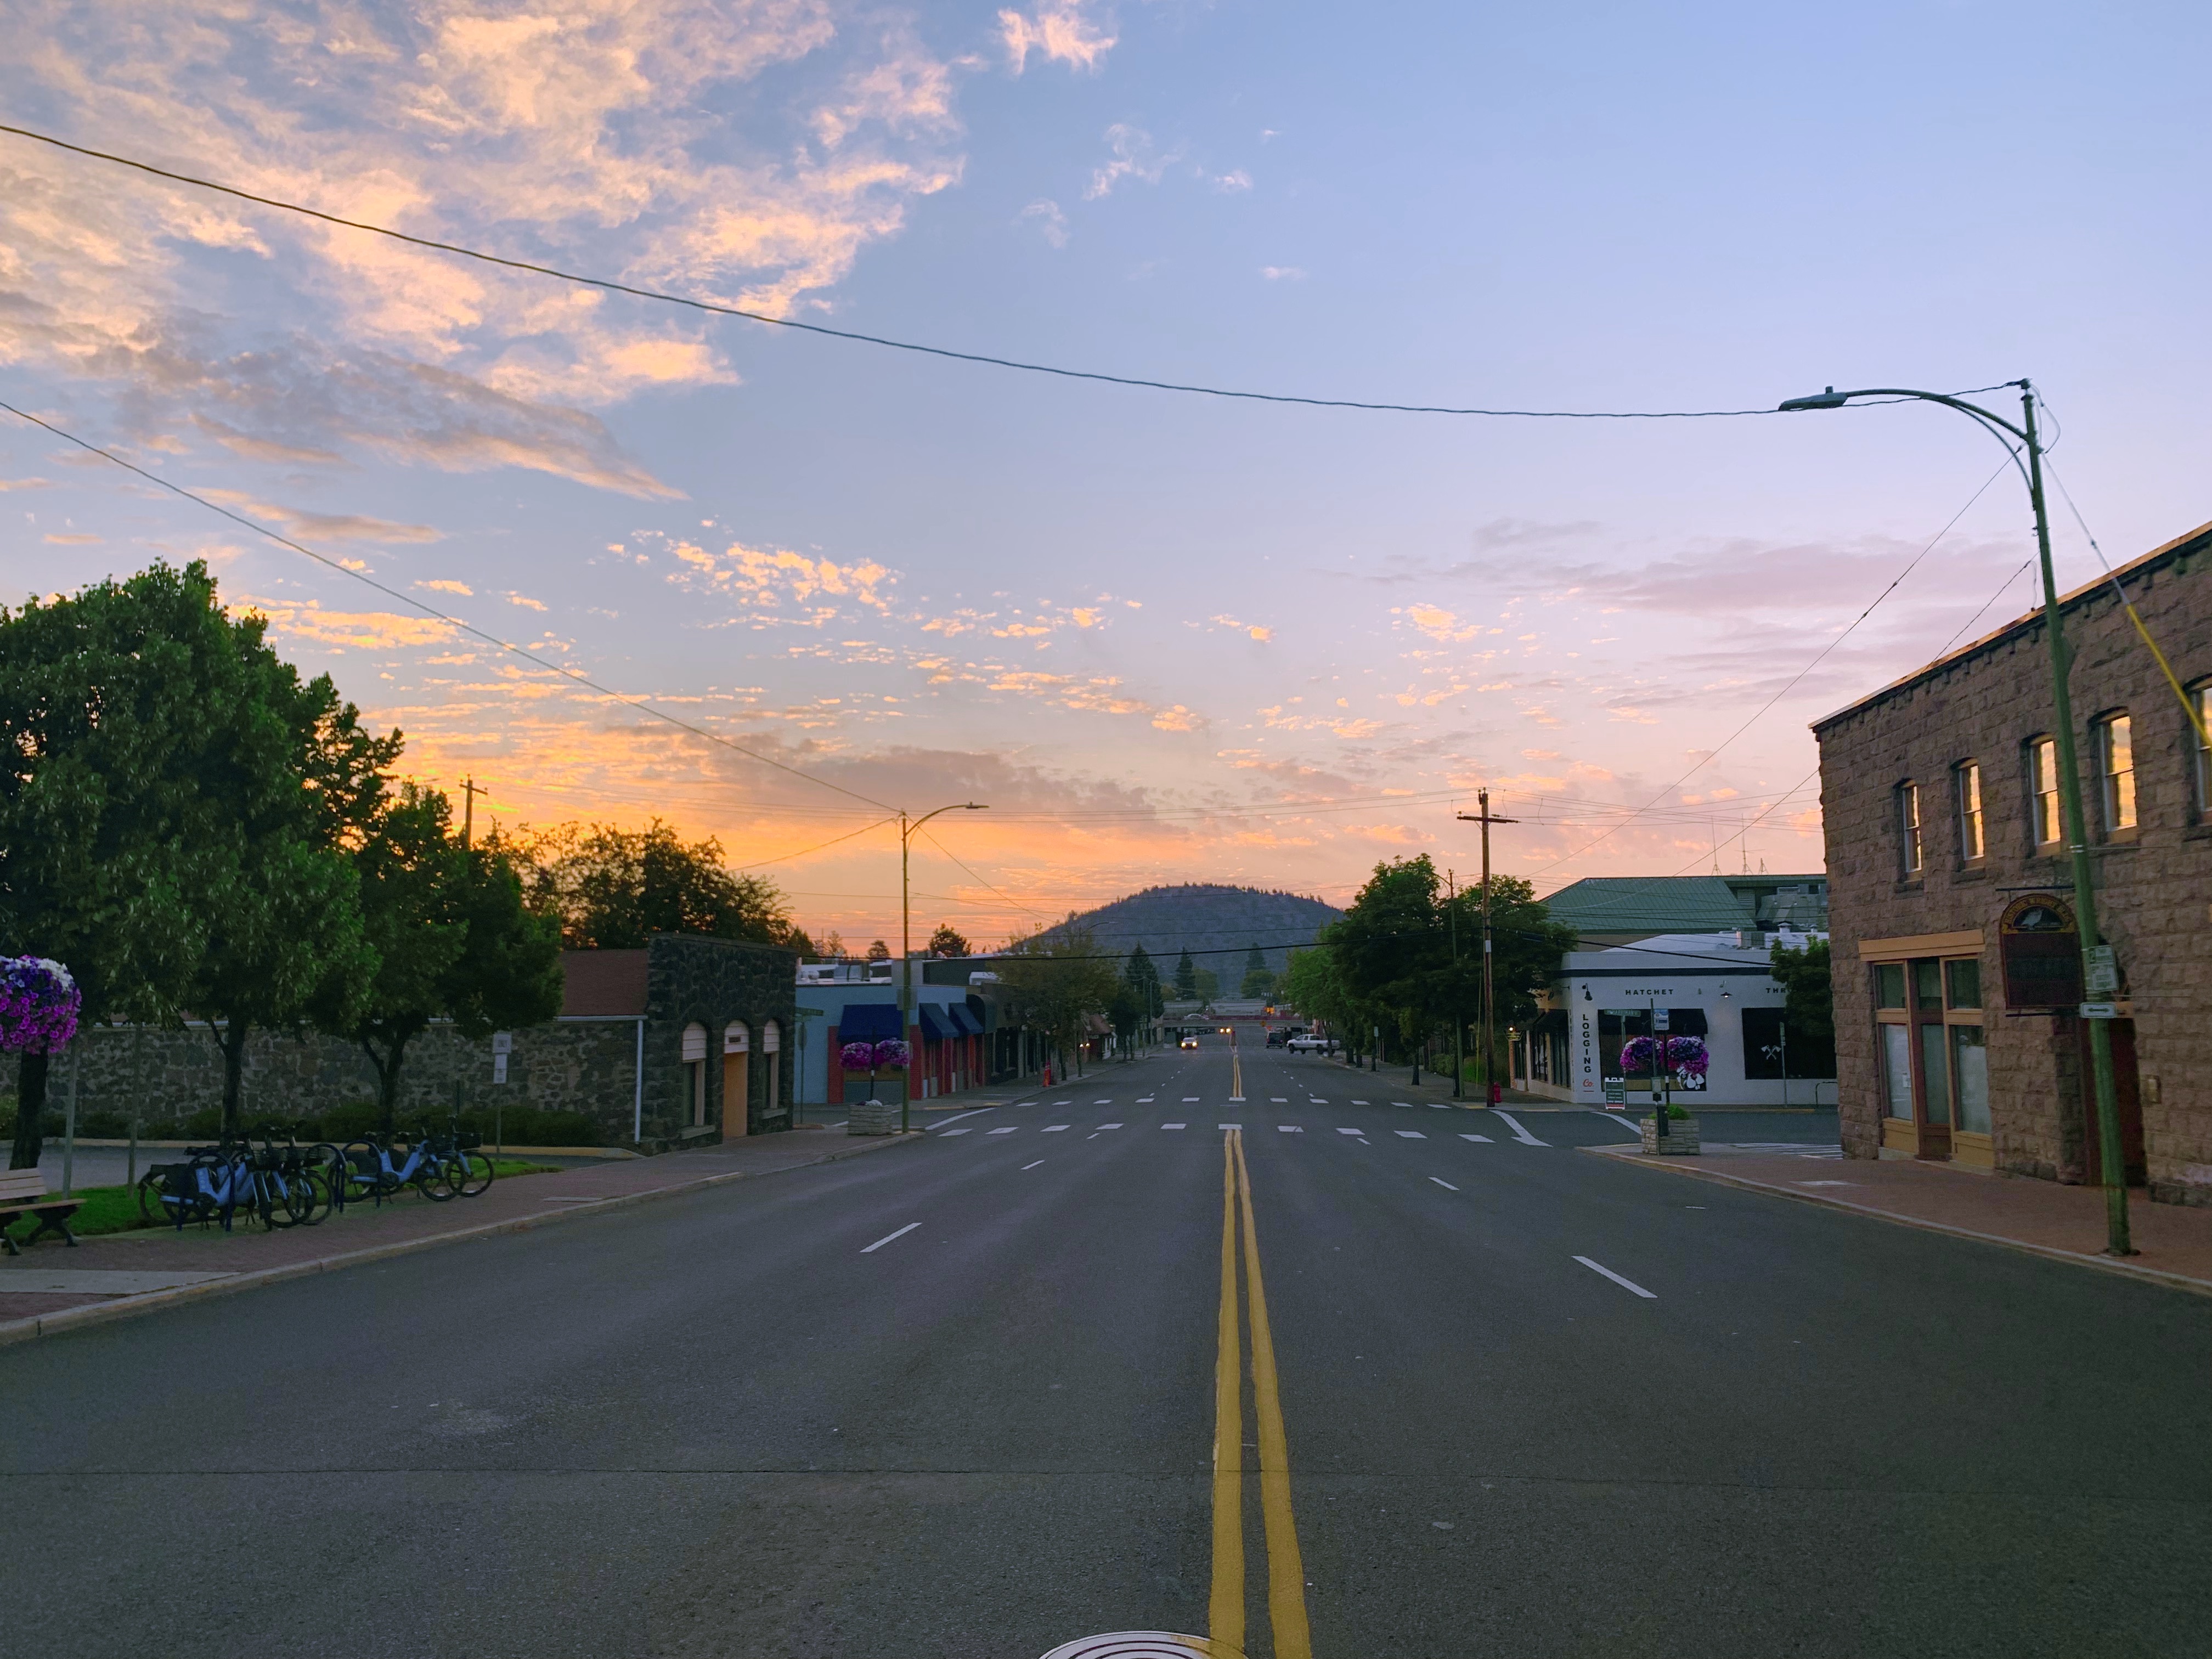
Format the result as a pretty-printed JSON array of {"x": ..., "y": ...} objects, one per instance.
[{"x": 1162, "y": 637}]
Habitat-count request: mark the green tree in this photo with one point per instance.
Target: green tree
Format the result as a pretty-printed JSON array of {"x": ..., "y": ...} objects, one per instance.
[
  {"x": 879, "y": 951},
  {"x": 1137, "y": 999},
  {"x": 1056, "y": 982},
  {"x": 452, "y": 939},
  {"x": 1259, "y": 979},
  {"x": 1206, "y": 984},
  {"x": 1186, "y": 978},
  {"x": 947, "y": 941},
  {"x": 111, "y": 740},
  {"x": 613, "y": 889},
  {"x": 1808, "y": 1008},
  {"x": 302, "y": 780}
]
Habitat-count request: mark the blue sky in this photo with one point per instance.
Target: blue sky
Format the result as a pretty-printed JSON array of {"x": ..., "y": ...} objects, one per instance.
[{"x": 1167, "y": 638}]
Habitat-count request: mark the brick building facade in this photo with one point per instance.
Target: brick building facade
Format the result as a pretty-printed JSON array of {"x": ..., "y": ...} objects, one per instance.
[{"x": 1950, "y": 889}]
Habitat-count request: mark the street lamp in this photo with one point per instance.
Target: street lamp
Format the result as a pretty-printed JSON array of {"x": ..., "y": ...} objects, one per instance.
[
  {"x": 2069, "y": 777},
  {"x": 906, "y": 947}
]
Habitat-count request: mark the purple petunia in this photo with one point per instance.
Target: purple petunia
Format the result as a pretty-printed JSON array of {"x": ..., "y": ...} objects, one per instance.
[
  {"x": 1686, "y": 1055},
  {"x": 874, "y": 1056},
  {"x": 39, "y": 1005}
]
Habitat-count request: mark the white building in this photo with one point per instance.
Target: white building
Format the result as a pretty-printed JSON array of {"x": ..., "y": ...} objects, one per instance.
[{"x": 1717, "y": 987}]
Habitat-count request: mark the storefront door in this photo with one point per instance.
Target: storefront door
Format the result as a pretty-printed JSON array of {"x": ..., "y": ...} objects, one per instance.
[{"x": 1928, "y": 1044}]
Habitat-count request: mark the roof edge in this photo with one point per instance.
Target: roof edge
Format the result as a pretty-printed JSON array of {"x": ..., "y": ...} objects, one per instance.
[{"x": 2067, "y": 601}]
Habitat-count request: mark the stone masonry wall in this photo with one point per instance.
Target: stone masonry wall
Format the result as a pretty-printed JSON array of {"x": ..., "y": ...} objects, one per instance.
[
  {"x": 2154, "y": 889},
  {"x": 587, "y": 1066},
  {"x": 712, "y": 981}
]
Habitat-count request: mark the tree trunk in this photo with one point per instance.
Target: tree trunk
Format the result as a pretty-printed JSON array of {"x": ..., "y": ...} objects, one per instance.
[
  {"x": 233, "y": 1072},
  {"x": 388, "y": 1079},
  {"x": 30, "y": 1107}
]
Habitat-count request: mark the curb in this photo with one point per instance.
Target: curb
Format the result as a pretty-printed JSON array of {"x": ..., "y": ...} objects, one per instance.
[
  {"x": 2048, "y": 1252},
  {"x": 100, "y": 1313}
]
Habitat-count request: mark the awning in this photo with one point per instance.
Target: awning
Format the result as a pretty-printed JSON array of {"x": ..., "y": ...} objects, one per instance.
[
  {"x": 964, "y": 1017},
  {"x": 1687, "y": 1021},
  {"x": 935, "y": 1026},
  {"x": 869, "y": 1022},
  {"x": 1552, "y": 1019}
]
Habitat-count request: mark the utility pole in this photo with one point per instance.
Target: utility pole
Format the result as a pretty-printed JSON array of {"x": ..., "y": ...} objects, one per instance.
[
  {"x": 470, "y": 791},
  {"x": 905, "y": 999},
  {"x": 1486, "y": 818}
]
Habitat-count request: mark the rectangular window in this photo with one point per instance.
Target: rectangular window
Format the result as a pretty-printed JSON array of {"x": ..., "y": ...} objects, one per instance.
[
  {"x": 1908, "y": 827},
  {"x": 2043, "y": 789},
  {"x": 1969, "y": 775},
  {"x": 2200, "y": 705},
  {"x": 1964, "y": 984},
  {"x": 1889, "y": 985},
  {"x": 2116, "y": 765},
  {"x": 1897, "y": 1068},
  {"x": 1970, "y": 1077}
]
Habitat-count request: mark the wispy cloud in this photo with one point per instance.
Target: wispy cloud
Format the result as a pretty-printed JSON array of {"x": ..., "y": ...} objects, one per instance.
[
  {"x": 1051, "y": 222},
  {"x": 1282, "y": 274},
  {"x": 1134, "y": 157},
  {"x": 1060, "y": 31}
]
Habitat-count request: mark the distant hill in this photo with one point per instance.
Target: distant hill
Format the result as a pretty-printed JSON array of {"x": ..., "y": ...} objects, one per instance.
[{"x": 1224, "y": 922}]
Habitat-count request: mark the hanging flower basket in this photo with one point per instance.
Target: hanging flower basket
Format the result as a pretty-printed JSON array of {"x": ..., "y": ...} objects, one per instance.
[
  {"x": 39, "y": 1005},
  {"x": 1686, "y": 1057},
  {"x": 872, "y": 1057}
]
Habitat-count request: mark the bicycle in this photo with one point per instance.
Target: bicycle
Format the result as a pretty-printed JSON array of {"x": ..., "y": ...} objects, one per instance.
[{"x": 369, "y": 1165}]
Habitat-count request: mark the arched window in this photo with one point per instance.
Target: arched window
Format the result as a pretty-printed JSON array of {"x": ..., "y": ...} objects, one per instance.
[
  {"x": 735, "y": 1039},
  {"x": 771, "y": 1042},
  {"x": 771, "y": 1036}
]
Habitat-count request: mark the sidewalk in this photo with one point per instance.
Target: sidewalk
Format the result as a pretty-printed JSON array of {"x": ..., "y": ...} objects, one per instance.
[
  {"x": 2173, "y": 1242},
  {"x": 51, "y": 1287}
]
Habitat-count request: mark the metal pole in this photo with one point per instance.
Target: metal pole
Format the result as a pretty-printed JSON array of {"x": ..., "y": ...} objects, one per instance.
[
  {"x": 1489, "y": 983},
  {"x": 69, "y": 1134},
  {"x": 2115, "y": 1172},
  {"x": 906, "y": 980},
  {"x": 1459, "y": 1014}
]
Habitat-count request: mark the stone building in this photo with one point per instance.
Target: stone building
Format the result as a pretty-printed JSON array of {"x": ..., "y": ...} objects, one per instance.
[
  {"x": 679, "y": 1042},
  {"x": 1958, "y": 985}
]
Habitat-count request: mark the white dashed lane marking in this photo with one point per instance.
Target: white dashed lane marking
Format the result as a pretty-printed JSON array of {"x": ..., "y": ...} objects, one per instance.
[
  {"x": 1484, "y": 1140},
  {"x": 1031, "y": 1166},
  {"x": 1441, "y": 1182},
  {"x": 887, "y": 1238},
  {"x": 1625, "y": 1284}
]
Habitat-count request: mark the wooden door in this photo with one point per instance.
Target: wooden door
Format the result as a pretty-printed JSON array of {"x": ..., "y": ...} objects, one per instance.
[
  {"x": 2126, "y": 1095},
  {"x": 735, "y": 1120}
]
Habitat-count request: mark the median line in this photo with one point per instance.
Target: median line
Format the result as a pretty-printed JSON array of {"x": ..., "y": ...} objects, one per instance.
[
  {"x": 888, "y": 1238},
  {"x": 1286, "y": 1576}
]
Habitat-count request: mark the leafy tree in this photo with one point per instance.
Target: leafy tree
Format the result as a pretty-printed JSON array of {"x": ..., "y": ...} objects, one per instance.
[
  {"x": 1206, "y": 984},
  {"x": 879, "y": 951},
  {"x": 832, "y": 948},
  {"x": 108, "y": 832},
  {"x": 1808, "y": 1008},
  {"x": 946, "y": 941},
  {"x": 613, "y": 889},
  {"x": 452, "y": 937},
  {"x": 1186, "y": 978},
  {"x": 1137, "y": 999},
  {"x": 1055, "y": 983}
]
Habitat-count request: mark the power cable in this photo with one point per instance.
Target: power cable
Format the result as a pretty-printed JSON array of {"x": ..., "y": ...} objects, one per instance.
[
  {"x": 709, "y": 305},
  {"x": 1009, "y": 898},
  {"x": 785, "y": 858},
  {"x": 585, "y": 680},
  {"x": 1714, "y": 754}
]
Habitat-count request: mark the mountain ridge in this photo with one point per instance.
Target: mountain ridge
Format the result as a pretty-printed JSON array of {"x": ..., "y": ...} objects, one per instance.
[{"x": 1216, "y": 922}]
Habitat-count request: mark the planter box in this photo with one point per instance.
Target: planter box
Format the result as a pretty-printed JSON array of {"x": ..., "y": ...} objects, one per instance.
[
  {"x": 873, "y": 1117},
  {"x": 1681, "y": 1137}
]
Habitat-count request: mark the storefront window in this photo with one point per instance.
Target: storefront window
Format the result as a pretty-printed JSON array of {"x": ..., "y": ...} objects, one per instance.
[
  {"x": 1896, "y": 1069},
  {"x": 1971, "y": 848},
  {"x": 1970, "y": 1077},
  {"x": 1966, "y": 984},
  {"x": 1889, "y": 985},
  {"x": 2043, "y": 789},
  {"x": 2116, "y": 755}
]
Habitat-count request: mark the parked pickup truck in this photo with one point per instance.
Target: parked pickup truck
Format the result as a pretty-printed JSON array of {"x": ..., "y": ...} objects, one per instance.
[{"x": 1307, "y": 1045}]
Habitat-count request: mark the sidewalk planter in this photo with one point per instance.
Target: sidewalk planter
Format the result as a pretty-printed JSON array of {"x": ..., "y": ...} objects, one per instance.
[
  {"x": 873, "y": 1117},
  {"x": 1681, "y": 1137}
]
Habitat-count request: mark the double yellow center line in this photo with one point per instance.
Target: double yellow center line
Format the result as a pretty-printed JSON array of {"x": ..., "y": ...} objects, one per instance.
[{"x": 1286, "y": 1579}]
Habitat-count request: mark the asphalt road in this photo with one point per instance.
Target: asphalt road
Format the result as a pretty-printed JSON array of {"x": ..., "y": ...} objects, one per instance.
[{"x": 960, "y": 1398}]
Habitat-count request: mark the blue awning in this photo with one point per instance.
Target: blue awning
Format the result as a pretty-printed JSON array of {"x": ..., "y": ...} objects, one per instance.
[
  {"x": 965, "y": 1017},
  {"x": 935, "y": 1027},
  {"x": 869, "y": 1022}
]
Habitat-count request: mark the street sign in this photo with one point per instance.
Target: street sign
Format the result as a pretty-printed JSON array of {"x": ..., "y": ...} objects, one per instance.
[
  {"x": 1659, "y": 1019},
  {"x": 2100, "y": 1010},
  {"x": 503, "y": 1042},
  {"x": 498, "y": 1068}
]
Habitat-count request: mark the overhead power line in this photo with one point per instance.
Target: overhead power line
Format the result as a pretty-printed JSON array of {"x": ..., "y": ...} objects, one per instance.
[
  {"x": 689, "y": 302},
  {"x": 451, "y": 621}
]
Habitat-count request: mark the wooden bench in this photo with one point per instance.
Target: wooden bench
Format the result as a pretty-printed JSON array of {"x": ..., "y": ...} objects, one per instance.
[{"x": 53, "y": 1214}]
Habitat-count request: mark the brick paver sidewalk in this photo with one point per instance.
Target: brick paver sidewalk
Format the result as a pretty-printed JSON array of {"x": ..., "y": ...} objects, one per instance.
[
  {"x": 410, "y": 1221},
  {"x": 2173, "y": 1242}
]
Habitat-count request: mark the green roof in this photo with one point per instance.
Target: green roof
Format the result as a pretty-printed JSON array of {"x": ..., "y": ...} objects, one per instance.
[{"x": 1648, "y": 904}]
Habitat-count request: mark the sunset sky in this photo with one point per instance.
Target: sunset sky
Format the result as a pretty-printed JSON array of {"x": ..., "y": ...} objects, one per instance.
[{"x": 1165, "y": 637}]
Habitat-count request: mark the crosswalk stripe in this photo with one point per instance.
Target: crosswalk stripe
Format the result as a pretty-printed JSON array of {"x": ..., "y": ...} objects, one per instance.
[
  {"x": 1409, "y": 1134},
  {"x": 955, "y": 1132},
  {"x": 1290, "y": 1128},
  {"x": 1352, "y": 1132},
  {"x": 1484, "y": 1140},
  {"x": 1057, "y": 1128},
  {"x": 1006, "y": 1130},
  {"x": 1175, "y": 1126}
]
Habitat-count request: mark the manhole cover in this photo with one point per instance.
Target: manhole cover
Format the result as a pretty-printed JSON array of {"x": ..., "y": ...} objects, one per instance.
[{"x": 1143, "y": 1644}]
